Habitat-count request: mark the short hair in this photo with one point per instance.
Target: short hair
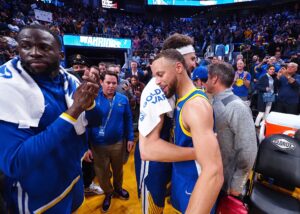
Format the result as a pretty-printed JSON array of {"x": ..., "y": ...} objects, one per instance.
[
  {"x": 110, "y": 74},
  {"x": 95, "y": 67},
  {"x": 102, "y": 63},
  {"x": 173, "y": 55},
  {"x": 110, "y": 66},
  {"x": 42, "y": 28},
  {"x": 270, "y": 66},
  {"x": 177, "y": 40},
  {"x": 292, "y": 64},
  {"x": 224, "y": 71}
]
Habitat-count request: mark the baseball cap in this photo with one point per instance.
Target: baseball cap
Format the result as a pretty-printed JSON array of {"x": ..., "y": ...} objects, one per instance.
[
  {"x": 79, "y": 59},
  {"x": 200, "y": 73}
]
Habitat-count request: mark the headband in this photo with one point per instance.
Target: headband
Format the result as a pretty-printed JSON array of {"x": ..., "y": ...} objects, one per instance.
[{"x": 186, "y": 49}]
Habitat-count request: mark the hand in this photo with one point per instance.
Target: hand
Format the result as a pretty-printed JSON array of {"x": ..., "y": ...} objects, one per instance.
[
  {"x": 91, "y": 76},
  {"x": 245, "y": 75},
  {"x": 234, "y": 193},
  {"x": 279, "y": 74},
  {"x": 88, "y": 156},
  {"x": 130, "y": 145},
  {"x": 267, "y": 89},
  {"x": 83, "y": 97}
]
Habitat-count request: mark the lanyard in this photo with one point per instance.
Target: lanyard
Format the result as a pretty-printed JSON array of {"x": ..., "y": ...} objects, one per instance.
[{"x": 110, "y": 110}]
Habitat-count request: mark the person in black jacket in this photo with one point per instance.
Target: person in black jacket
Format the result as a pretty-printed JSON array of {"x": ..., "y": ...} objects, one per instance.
[{"x": 265, "y": 84}]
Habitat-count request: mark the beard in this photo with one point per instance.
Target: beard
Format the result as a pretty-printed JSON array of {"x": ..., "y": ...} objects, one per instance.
[
  {"x": 49, "y": 70},
  {"x": 171, "y": 89}
]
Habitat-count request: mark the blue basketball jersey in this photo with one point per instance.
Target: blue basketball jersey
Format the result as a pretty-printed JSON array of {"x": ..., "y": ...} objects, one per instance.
[{"x": 186, "y": 173}]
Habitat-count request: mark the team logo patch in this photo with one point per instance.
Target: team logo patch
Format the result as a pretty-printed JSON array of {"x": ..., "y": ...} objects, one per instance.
[
  {"x": 284, "y": 144},
  {"x": 239, "y": 82},
  {"x": 5, "y": 73}
]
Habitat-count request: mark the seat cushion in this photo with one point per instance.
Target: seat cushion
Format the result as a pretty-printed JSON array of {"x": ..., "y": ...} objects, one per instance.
[{"x": 265, "y": 200}]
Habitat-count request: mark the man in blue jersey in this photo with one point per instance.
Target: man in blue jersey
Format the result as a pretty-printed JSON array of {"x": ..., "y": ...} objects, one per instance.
[
  {"x": 195, "y": 183},
  {"x": 241, "y": 83},
  {"x": 44, "y": 114},
  {"x": 154, "y": 177}
]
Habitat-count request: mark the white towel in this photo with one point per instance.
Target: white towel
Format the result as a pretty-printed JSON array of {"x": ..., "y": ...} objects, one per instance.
[
  {"x": 22, "y": 101},
  {"x": 153, "y": 104}
]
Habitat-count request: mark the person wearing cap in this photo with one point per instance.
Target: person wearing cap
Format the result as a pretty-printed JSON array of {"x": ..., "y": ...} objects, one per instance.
[
  {"x": 79, "y": 65},
  {"x": 199, "y": 77}
]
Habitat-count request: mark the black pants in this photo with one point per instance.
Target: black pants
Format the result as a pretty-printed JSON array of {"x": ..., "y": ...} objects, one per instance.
[
  {"x": 88, "y": 173},
  {"x": 287, "y": 108}
]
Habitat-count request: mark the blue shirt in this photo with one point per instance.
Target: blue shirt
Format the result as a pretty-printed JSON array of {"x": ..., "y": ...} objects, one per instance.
[
  {"x": 43, "y": 164},
  {"x": 288, "y": 93},
  {"x": 119, "y": 125},
  {"x": 239, "y": 89}
]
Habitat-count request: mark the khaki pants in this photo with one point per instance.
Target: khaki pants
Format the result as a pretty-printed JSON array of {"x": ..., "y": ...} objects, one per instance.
[{"x": 105, "y": 157}]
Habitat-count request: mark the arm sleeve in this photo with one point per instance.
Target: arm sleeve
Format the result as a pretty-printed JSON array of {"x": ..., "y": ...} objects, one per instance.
[
  {"x": 260, "y": 85},
  {"x": 128, "y": 122},
  {"x": 295, "y": 85},
  {"x": 23, "y": 149},
  {"x": 245, "y": 146}
]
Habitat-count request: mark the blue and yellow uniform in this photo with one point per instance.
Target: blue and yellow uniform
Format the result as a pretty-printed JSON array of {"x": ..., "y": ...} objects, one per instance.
[
  {"x": 153, "y": 177},
  {"x": 42, "y": 164},
  {"x": 184, "y": 174}
]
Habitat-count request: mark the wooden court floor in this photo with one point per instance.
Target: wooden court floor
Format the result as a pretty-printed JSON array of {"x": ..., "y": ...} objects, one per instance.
[{"x": 92, "y": 204}]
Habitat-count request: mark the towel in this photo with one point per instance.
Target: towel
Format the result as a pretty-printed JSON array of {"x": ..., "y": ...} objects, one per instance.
[
  {"x": 153, "y": 104},
  {"x": 26, "y": 101}
]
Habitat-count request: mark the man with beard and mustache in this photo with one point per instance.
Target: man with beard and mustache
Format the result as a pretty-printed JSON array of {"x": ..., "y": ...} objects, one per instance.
[
  {"x": 197, "y": 174},
  {"x": 154, "y": 180},
  {"x": 43, "y": 120}
]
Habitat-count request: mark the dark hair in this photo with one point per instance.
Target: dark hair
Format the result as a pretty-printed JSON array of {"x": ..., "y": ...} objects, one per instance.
[
  {"x": 224, "y": 71},
  {"x": 173, "y": 55},
  {"x": 43, "y": 28},
  {"x": 95, "y": 67},
  {"x": 102, "y": 63},
  {"x": 270, "y": 66},
  {"x": 177, "y": 41},
  {"x": 134, "y": 77},
  {"x": 111, "y": 74},
  {"x": 109, "y": 66}
]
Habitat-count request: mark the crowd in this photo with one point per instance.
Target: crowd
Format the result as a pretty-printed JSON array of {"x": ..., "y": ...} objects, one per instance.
[
  {"x": 93, "y": 116},
  {"x": 258, "y": 33}
]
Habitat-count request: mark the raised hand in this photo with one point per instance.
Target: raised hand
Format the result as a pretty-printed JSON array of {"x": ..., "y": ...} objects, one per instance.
[{"x": 83, "y": 97}]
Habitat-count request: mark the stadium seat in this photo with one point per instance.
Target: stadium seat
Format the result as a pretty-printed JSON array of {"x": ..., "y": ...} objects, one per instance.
[{"x": 276, "y": 169}]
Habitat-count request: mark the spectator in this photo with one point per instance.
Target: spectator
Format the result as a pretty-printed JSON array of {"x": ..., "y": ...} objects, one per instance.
[
  {"x": 265, "y": 84},
  {"x": 134, "y": 71},
  {"x": 288, "y": 89},
  {"x": 241, "y": 83},
  {"x": 199, "y": 77},
  {"x": 234, "y": 127},
  {"x": 107, "y": 140},
  {"x": 136, "y": 88}
]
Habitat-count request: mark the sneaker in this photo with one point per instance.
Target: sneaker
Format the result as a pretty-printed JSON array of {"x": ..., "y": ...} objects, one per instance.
[
  {"x": 106, "y": 202},
  {"x": 122, "y": 193},
  {"x": 93, "y": 189}
]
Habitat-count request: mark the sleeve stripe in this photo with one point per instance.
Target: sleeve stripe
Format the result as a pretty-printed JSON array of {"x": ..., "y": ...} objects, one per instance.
[{"x": 68, "y": 118}]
